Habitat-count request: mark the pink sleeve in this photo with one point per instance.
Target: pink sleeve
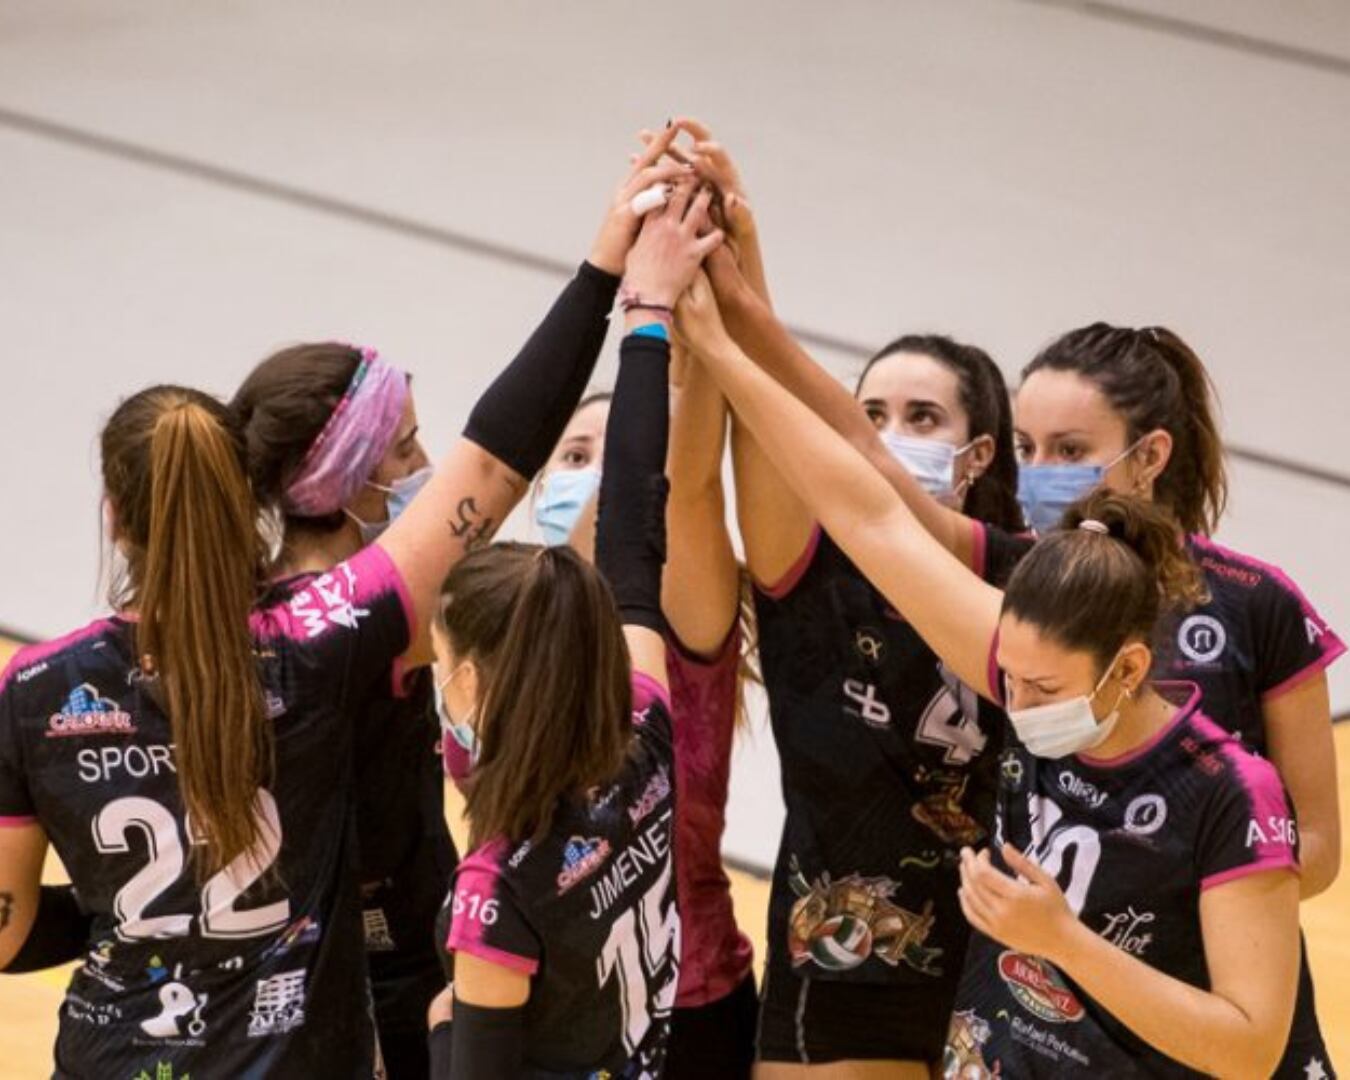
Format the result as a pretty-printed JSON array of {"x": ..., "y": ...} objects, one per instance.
[
  {"x": 1253, "y": 827},
  {"x": 485, "y": 921}
]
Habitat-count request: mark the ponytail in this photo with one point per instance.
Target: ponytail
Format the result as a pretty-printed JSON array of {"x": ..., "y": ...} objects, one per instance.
[
  {"x": 1195, "y": 479},
  {"x": 554, "y": 712},
  {"x": 1094, "y": 588},
  {"x": 186, "y": 517},
  {"x": 1154, "y": 380}
]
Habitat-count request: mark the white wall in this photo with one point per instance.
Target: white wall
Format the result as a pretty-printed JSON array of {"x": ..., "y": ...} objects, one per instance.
[{"x": 999, "y": 169}]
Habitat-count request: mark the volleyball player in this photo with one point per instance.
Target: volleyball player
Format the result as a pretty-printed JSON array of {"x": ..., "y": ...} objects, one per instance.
[
  {"x": 405, "y": 858},
  {"x": 190, "y": 756},
  {"x": 1134, "y": 410},
  {"x": 708, "y": 632},
  {"x": 1191, "y": 827},
  {"x": 888, "y": 762},
  {"x": 562, "y": 919}
]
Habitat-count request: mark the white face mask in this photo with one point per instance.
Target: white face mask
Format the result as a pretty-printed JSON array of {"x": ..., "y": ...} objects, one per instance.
[
  {"x": 1060, "y": 728},
  {"x": 930, "y": 461}
]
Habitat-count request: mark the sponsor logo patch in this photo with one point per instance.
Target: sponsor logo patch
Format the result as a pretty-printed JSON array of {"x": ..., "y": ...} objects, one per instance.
[
  {"x": 581, "y": 858},
  {"x": 658, "y": 788},
  {"x": 86, "y": 713},
  {"x": 1202, "y": 638},
  {"x": 1039, "y": 989}
]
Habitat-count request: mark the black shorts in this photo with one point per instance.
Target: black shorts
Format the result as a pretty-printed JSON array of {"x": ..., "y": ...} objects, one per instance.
[
  {"x": 813, "y": 1021},
  {"x": 716, "y": 1039}
]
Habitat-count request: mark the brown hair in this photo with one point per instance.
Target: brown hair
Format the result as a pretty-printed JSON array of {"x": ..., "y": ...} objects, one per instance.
[
  {"x": 554, "y": 682},
  {"x": 187, "y": 523},
  {"x": 1094, "y": 592},
  {"x": 282, "y": 406},
  {"x": 1155, "y": 381},
  {"x": 984, "y": 396}
]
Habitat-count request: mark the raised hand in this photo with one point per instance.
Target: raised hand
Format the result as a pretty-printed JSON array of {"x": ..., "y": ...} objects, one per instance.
[
  {"x": 1027, "y": 913},
  {"x": 621, "y": 224},
  {"x": 673, "y": 243}
]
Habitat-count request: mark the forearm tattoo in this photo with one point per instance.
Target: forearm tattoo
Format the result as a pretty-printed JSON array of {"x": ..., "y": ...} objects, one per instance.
[{"x": 471, "y": 525}]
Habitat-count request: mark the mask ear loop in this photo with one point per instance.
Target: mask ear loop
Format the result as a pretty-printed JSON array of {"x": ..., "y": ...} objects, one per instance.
[{"x": 962, "y": 489}]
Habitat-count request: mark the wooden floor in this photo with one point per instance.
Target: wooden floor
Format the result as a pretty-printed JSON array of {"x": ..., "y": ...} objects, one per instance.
[{"x": 28, "y": 1003}]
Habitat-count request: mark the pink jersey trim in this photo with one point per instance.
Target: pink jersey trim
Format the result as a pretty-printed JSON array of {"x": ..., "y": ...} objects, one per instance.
[
  {"x": 15, "y": 821},
  {"x": 1272, "y": 862},
  {"x": 1186, "y": 709},
  {"x": 979, "y": 547},
  {"x": 646, "y": 690},
  {"x": 35, "y": 654},
  {"x": 789, "y": 581},
  {"x": 1317, "y": 667},
  {"x": 1262, "y": 784},
  {"x": 493, "y": 956}
]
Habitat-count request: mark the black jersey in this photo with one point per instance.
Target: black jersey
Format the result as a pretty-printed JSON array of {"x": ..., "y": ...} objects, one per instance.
[
  {"x": 259, "y": 968},
  {"x": 1132, "y": 841},
  {"x": 589, "y": 913},
  {"x": 1255, "y": 638},
  {"x": 888, "y": 768},
  {"x": 405, "y": 855}
]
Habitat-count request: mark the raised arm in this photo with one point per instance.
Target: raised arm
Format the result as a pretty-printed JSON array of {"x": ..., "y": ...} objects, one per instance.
[
  {"x": 775, "y": 525},
  {"x": 520, "y": 417},
  {"x": 631, "y": 525},
  {"x": 954, "y": 611},
  {"x": 700, "y": 592},
  {"x": 765, "y": 340}
]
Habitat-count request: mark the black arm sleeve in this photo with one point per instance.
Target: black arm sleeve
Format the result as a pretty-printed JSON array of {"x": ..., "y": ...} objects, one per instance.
[
  {"x": 478, "y": 1043},
  {"x": 630, "y": 532},
  {"x": 521, "y": 416},
  {"x": 59, "y": 935}
]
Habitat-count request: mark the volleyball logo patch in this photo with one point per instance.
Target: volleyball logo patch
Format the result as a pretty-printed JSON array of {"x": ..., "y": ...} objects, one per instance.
[{"x": 838, "y": 925}]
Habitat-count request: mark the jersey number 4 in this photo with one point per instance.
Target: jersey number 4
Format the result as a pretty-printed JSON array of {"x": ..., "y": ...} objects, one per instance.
[
  {"x": 642, "y": 942},
  {"x": 134, "y": 814}
]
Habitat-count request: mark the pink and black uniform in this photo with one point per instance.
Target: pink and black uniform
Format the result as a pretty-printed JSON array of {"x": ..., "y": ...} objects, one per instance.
[
  {"x": 889, "y": 767},
  {"x": 1133, "y": 841},
  {"x": 589, "y": 913},
  {"x": 1257, "y": 637},
  {"x": 715, "y": 1006},
  {"x": 258, "y": 969},
  {"x": 588, "y": 910},
  {"x": 405, "y": 856}
]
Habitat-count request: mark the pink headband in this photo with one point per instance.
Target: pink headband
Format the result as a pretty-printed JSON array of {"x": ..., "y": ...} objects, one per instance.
[{"x": 353, "y": 441}]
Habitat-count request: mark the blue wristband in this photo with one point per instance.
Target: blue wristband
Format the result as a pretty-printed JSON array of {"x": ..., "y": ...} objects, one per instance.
[{"x": 652, "y": 330}]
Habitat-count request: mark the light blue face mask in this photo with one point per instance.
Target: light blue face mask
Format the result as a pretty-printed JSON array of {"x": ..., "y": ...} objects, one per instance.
[
  {"x": 1047, "y": 491},
  {"x": 462, "y": 731},
  {"x": 931, "y": 462},
  {"x": 561, "y": 500},
  {"x": 398, "y": 496}
]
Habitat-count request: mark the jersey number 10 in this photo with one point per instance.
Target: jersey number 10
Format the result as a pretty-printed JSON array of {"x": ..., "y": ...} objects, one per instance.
[{"x": 159, "y": 828}]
